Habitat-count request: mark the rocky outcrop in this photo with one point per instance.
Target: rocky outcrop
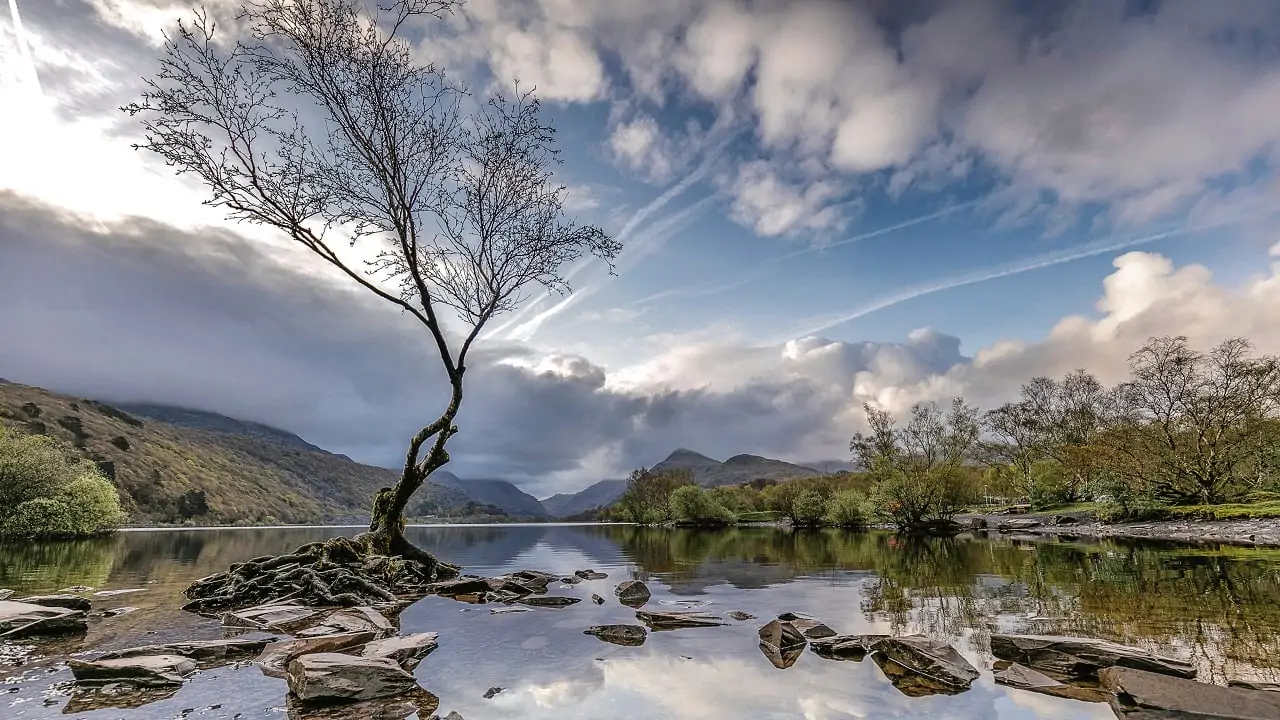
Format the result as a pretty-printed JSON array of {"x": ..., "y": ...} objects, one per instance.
[
  {"x": 845, "y": 647},
  {"x": 930, "y": 666},
  {"x": 782, "y": 643},
  {"x": 356, "y": 619},
  {"x": 632, "y": 593},
  {"x": 143, "y": 671},
  {"x": 19, "y": 619},
  {"x": 70, "y": 602},
  {"x": 554, "y": 601},
  {"x": 1067, "y": 658},
  {"x": 274, "y": 660},
  {"x": 676, "y": 620},
  {"x": 336, "y": 676},
  {"x": 407, "y": 650},
  {"x": 1024, "y": 678},
  {"x": 1141, "y": 695},
  {"x": 630, "y": 635},
  {"x": 281, "y": 617},
  {"x": 196, "y": 649}
]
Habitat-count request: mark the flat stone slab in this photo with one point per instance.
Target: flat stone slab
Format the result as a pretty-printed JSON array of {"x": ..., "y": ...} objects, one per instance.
[
  {"x": 676, "y": 620},
  {"x": 628, "y": 635},
  {"x": 355, "y": 619},
  {"x": 845, "y": 647},
  {"x": 274, "y": 660},
  {"x": 70, "y": 602},
  {"x": 1141, "y": 695},
  {"x": 269, "y": 617},
  {"x": 5, "y": 593},
  {"x": 555, "y": 601},
  {"x": 144, "y": 671},
  {"x": 591, "y": 575},
  {"x": 19, "y": 619},
  {"x": 336, "y": 676},
  {"x": 1068, "y": 658},
  {"x": 1024, "y": 678},
  {"x": 407, "y": 650},
  {"x": 196, "y": 649},
  {"x": 933, "y": 660}
]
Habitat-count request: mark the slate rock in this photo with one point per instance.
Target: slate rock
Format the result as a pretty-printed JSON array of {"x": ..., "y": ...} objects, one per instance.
[
  {"x": 632, "y": 593},
  {"x": 337, "y": 676},
  {"x": 70, "y": 602},
  {"x": 408, "y": 650},
  {"x": 274, "y": 660},
  {"x": 272, "y": 616},
  {"x": 1068, "y": 658},
  {"x": 741, "y": 616},
  {"x": 354, "y": 619},
  {"x": 629, "y": 635},
  {"x": 1024, "y": 678},
  {"x": 845, "y": 647},
  {"x": 460, "y": 586},
  {"x": 597, "y": 599},
  {"x": 143, "y": 671},
  {"x": 934, "y": 662},
  {"x": 591, "y": 575},
  {"x": 556, "y": 601},
  {"x": 675, "y": 620},
  {"x": 19, "y": 619},
  {"x": 196, "y": 649},
  {"x": 1142, "y": 695}
]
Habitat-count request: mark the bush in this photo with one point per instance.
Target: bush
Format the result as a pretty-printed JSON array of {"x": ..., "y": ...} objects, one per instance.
[
  {"x": 808, "y": 509},
  {"x": 1049, "y": 486},
  {"x": 92, "y": 504},
  {"x": 847, "y": 508},
  {"x": 692, "y": 504},
  {"x": 46, "y": 490},
  {"x": 40, "y": 517}
]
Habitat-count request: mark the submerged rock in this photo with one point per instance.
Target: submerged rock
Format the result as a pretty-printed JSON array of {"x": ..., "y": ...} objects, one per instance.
[
  {"x": 461, "y": 586},
  {"x": 741, "y": 616},
  {"x": 630, "y": 635},
  {"x": 488, "y": 694},
  {"x": 782, "y": 643},
  {"x": 70, "y": 602},
  {"x": 675, "y": 620},
  {"x": 19, "y": 619},
  {"x": 632, "y": 593},
  {"x": 196, "y": 649},
  {"x": 549, "y": 601},
  {"x": 571, "y": 580},
  {"x": 1024, "y": 678},
  {"x": 1138, "y": 694},
  {"x": 1068, "y": 658},
  {"x": 140, "y": 671},
  {"x": 335, "y": 676},
  {"x": 597, "y": 599},
  {"x": 845, "y": 647},
  {"x": 408, "y": 650},
  {"x": 935, "y": 665},
  {"x": 591, "y": 575},
  {"x": 281, "y": 616},
  {"x": 514, "y": 587},
  {"x": 274, "y": 660},
  {"x": 354, "y": 619}
]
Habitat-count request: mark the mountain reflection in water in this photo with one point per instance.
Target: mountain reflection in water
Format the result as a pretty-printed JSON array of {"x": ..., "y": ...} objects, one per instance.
[{"x": 1216, "y": 606}]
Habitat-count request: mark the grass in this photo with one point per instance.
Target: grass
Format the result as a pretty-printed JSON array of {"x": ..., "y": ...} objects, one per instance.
[{"x": 1228, "y": 511}]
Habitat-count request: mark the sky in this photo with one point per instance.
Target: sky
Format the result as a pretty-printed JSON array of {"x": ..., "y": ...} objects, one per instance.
[{"x": 821, "y": 204}]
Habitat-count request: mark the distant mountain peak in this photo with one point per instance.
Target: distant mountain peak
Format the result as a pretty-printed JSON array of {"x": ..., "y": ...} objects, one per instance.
[
  {"x": 745, "y": 459},
  {"x": 685, "y": 455},
  {"x": 734, "y": 471}
]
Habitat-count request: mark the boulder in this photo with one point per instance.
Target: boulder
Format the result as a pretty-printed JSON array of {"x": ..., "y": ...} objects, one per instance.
[
  {"x": 810, "y": 627},
  {"x": 461, "y": 586},
  {"x": 630, "y": 635},
  {"x": 19, "y": 619},
  {"x": 355, "y": 619},
  {"x": 597, "y": 599},
  {"x": 1068, "y": 658},
  {"x": 144, "y": 671},
  {"x": 591, "y": 575},
  {"x": 196, "y": 649},
  {"x": 70, "y": 602},
  {"x": 782, "y": 643},
  {"x": 1140, "y": 695},
  {"x": 417, "y": 703},
  {"x": 274, "y": 660},
  {"x": 632, "y": 593},
  {"x": 408, "y": 650},
  {"x": 549, "y": 601},
  {"x": 274, "y": 616},
  {"x": 571, "y": 579},
  {"x": 675, "y": 620},
  {"x": 5, "y": 593},
  {"x": 335, "y": 676},
  {"x": 935, "y": 664},
  {"x": 845, "y": 647},
  {"x": 1024, "y": 678}
]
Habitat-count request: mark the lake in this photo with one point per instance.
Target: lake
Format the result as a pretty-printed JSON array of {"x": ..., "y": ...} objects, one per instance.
[{"x": 1217, "y": 606}]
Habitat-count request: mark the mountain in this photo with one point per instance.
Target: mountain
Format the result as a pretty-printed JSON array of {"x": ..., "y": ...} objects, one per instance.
[
  {"x": 827, "y": 467},
  {"x": 602, "y": 494},
  {"x": 213, "y": 422},
  {"x": 259, "y": 475},
  {"x": 499, "y": 493},
  {"x": 734, "y": 471}
]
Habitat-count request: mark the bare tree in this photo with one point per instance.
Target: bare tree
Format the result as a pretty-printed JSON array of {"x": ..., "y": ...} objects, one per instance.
[
  {"x": 1017, "y": 440},
  {"x": 1068, "y": 416},
  {"x": 463, "y": 203}
]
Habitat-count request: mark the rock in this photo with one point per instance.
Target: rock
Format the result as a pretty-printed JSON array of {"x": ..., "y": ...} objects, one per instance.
[
  {"x": 782, "y": 643},
  {"x": 113, "y": 593},
  {"x": 571, "y": 579},
  {"x": 1010, "y": 525},
  {"x": 674, "y": 620},
  {"x": 354, "y": 619},
  {"x": 195, "y": 649},
  {"x": 142, "y": 671},
  {"x": 408, "y": 650},
  {"x": 741, "y": 616},
  {"x": 508, "y": 610},
  {"x": 935, "y": 663},
  {"x": 417, "y": 703},
  {"x": 491, "y": 692},
  {"x": 19, "y": 619},
  {"x": 1064, "y": 520},
  {"x": 977, "y": 524},
  {"x": 810, "y": 627},
  {"x": 845, "y": 647},
  {"x": 280, "y": 616},
  {"x": 274, "y": 660},
  {"x": 335, "y": 676},
  {"x": 549, "y": 601},
  {"x": 113, "y": 612},
  {"x": 597, "y": 599},
  {"x": 1251, "y": 685},
  {"x": 1141, "y": 695},
  {"x": 5, "y": 593},
  {"x": 1067, "y": 658},
  {"x": 591, "y": 575},
  {"x": 1024, "y": 678},
  {"x": 70, "y": 602},
  {"x": 513, "y": 586},
  {"x": 461, "y": 586},
  {"x": 76, "y": 589},
  {"x": 632, "y": 593},
  {"x": 630, "y": 635}
]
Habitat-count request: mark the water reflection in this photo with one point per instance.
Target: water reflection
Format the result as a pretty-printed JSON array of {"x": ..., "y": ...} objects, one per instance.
[{"x": 1216, "y": 606}]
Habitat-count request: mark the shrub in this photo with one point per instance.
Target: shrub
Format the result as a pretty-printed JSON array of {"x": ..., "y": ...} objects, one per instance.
[
  {"x": 93, "y": 505},
  {"x": 1049, "y": 485},
  {"x": 847, "y": 508},
  {"x": 39, "y": 517},
  {"x": 808, "y": 508},
  {"x": 194, "y": 503},
  {"x": 44, "y": 490},
  {"x": 692, "y": 504}
]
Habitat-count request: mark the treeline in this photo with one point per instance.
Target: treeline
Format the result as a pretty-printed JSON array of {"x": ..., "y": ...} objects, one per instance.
[
  {"x": 1186, "y": 434},
  {"x": 47, "y": 490}
]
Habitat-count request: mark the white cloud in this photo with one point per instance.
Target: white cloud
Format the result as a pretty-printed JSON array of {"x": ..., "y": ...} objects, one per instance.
[
  {"x": 772, "y": 205},
  {"x": 640, "y": 145}
]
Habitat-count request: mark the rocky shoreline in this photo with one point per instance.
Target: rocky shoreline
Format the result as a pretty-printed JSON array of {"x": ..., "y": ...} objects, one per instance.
[{"x": 1246, "y": 533}]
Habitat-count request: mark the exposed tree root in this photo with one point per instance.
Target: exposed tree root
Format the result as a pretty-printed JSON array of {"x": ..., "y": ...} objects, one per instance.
[{"x": 342, "y": 572}]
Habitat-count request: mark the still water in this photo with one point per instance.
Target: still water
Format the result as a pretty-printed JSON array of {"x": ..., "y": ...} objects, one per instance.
[{"x": 1219, "y": 607}]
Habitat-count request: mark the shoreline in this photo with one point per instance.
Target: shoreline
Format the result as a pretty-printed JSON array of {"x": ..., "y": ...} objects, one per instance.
[{"x": 1260, "y": 533}]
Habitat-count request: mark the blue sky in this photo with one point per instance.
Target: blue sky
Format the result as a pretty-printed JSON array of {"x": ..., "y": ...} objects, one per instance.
[{"x": 802, "y": 188}]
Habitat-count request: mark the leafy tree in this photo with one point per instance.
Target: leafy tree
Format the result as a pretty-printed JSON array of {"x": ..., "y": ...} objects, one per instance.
[
  {"x": 808, "y": 508},
  {"x": 690, "y": 503},
  {"x": 648, "y": 495},
  {"x": 847, "y": 508},
  {"x": 93, "y": 504},
  {"x": 1017, "y": 441},
  {"x": 46, "y": 491},
  {"x": 193, "y": 503},
  {"x": 319, "y": 122}
]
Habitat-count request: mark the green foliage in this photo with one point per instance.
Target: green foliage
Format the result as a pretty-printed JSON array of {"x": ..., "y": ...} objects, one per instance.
[
  {"x": 647, "y": 499},
  {"x": 46, "y": 491},
  {"x": 848, "y": 508},
  {"x": 39, "y": 517},
  {"x": 193, "y": 503},
  {"x": 808, "y": 508},
  {"x": 691, "y": 504},
  {"x": 1050, "y": 486}
]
